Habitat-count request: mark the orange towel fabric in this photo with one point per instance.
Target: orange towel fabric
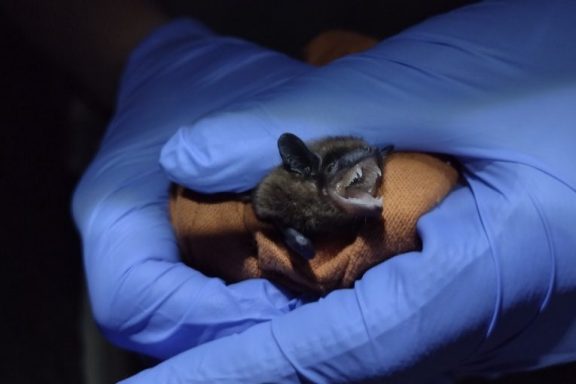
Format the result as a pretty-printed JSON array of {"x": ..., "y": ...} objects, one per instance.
[{"x": 220, "y": 235}]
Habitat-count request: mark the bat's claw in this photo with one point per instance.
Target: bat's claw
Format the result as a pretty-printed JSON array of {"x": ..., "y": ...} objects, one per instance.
[{"x": 299, "y": 243}]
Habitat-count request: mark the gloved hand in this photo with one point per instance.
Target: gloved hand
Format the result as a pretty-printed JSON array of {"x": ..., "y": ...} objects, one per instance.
[
  {"x": 143, "y": 297},
  {"x": 494, "y": 287}
]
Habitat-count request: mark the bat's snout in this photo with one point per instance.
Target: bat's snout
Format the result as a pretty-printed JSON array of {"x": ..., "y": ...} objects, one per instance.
[{"x": 355, "y": 190}]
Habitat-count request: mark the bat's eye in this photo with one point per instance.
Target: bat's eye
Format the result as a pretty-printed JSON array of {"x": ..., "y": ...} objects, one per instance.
[{"x": 330, "y": 169}]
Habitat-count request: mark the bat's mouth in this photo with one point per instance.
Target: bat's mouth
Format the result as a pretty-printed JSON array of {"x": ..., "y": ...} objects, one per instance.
[{"x": 355, "y": 190}]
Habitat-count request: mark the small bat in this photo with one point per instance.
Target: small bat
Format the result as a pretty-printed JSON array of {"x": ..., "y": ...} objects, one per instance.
[{"x": 328, "y": 186}]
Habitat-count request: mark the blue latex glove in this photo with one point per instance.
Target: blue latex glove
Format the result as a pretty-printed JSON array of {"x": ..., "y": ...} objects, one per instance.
[
  {"x": 143, "y": 297},
  {"x": 494, "y": 287}
]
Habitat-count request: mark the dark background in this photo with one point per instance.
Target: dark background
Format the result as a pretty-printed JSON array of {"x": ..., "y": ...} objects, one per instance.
[{"x": 48, "y": 131}]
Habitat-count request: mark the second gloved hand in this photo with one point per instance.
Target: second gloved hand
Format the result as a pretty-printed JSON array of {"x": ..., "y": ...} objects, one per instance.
[
  {"x": 493, "y": 288},
  {"x": 142, "y": 295}
]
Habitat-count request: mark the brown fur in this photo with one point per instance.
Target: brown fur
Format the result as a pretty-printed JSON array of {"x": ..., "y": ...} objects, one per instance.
[{"x": 292, "y": 200}]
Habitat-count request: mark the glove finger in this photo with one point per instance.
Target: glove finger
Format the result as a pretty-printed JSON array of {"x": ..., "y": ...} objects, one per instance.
[
  {"x": 445, "y": 86},
  {"x": 480, "y": 297},
  {"x": 142, "y": 295}
]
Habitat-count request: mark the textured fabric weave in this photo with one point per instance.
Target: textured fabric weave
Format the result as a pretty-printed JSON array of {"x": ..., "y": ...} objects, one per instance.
[{"x": 220, "y": 235}]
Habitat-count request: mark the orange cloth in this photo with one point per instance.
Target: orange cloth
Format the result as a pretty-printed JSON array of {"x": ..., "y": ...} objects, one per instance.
[{"x": 220, "y": 236}]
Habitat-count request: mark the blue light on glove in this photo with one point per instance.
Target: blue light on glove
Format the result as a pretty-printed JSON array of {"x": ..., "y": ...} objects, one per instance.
[
  {"x": 494, "y": 287},
  {"x": 142, "y": 296}
]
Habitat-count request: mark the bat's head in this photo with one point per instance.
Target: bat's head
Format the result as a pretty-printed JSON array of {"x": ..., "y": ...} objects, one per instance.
[
  {"x": 347, "y": 170},
  {"x": 327, "y": 185}
]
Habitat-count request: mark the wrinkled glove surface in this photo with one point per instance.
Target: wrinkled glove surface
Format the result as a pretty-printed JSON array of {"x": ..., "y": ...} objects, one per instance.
[
  {"x": 142, "y": 295},
  {"x": 494, "y": 286}
]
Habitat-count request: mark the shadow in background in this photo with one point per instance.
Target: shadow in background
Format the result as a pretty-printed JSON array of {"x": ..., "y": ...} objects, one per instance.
[{"x": 41, "y": 281}]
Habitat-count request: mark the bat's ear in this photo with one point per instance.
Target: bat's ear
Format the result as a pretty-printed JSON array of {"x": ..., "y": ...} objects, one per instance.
[
  {"x": 296, "y": 156},
  {"x": 298, "y": 243}
]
